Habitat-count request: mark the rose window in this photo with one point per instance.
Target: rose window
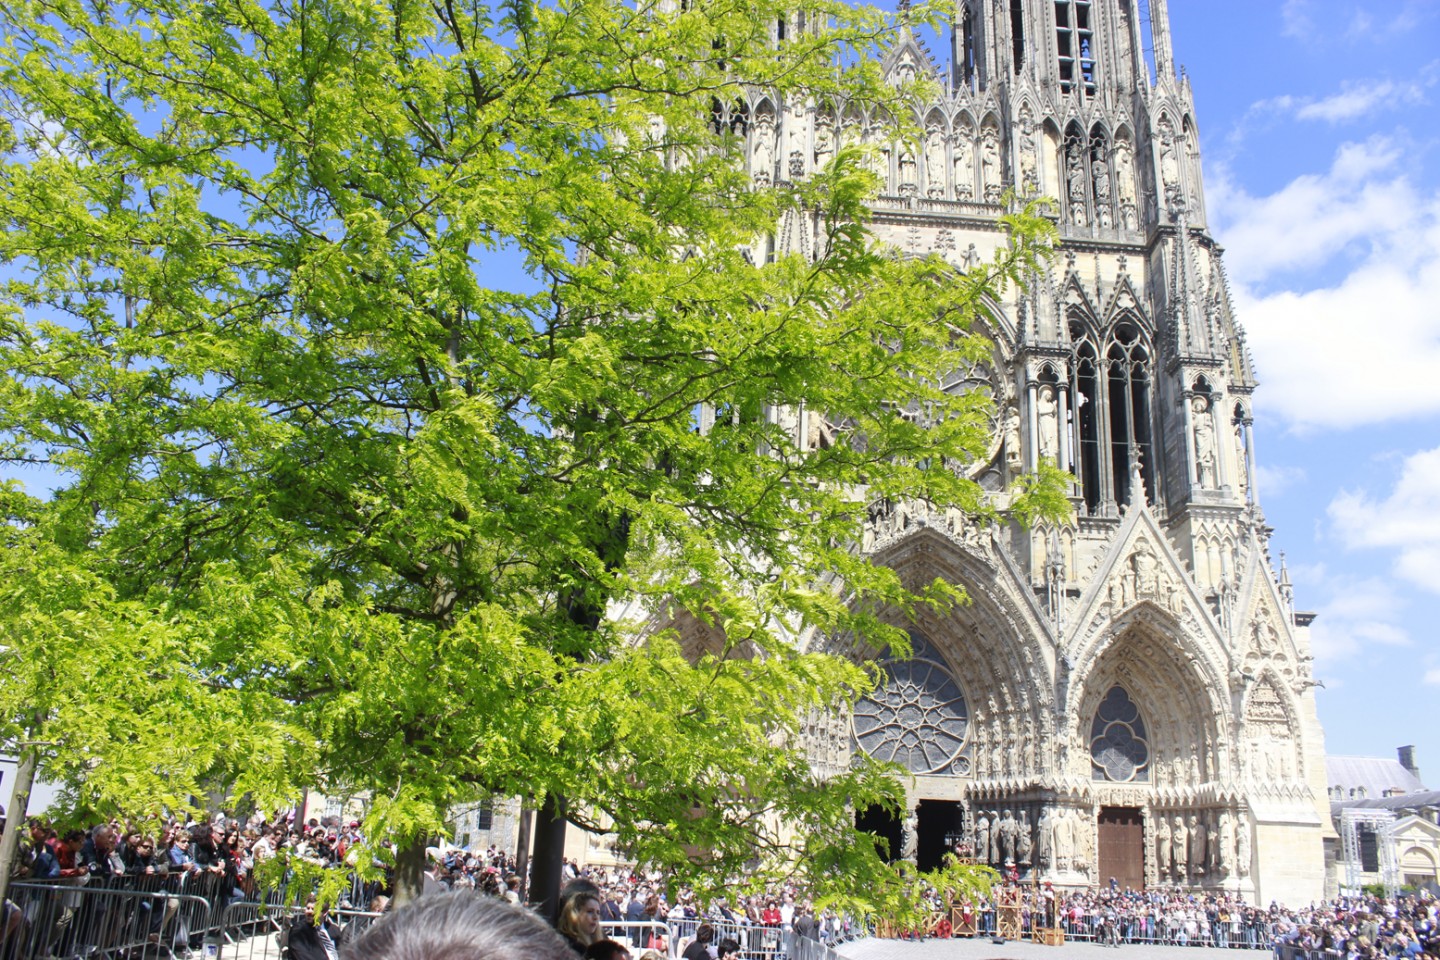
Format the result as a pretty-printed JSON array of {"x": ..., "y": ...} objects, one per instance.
[{"x": 918, "y": 719}]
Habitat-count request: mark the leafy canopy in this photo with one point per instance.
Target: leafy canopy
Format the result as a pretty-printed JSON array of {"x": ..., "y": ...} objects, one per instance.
[{"x": 364, "y": 347}]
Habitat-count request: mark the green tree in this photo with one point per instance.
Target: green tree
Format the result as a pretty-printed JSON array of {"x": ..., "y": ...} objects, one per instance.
[{"x": 367, "y": 345}]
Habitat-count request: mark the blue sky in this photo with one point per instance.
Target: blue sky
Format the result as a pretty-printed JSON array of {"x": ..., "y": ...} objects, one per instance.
[{"x": 1323, "y": 184}]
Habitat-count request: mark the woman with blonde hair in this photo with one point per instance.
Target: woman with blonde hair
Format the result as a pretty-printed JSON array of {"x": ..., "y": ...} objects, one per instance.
[{"x": 579, "y": 920}]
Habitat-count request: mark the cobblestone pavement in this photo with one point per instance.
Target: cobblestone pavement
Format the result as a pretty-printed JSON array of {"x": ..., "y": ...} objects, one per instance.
[{"x": 983, "y": 949}]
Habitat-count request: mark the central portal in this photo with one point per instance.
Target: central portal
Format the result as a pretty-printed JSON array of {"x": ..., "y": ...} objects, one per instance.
[{"x": 1122, "y": 847}]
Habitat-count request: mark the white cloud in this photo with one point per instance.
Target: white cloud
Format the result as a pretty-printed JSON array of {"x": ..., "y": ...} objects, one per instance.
[
  {"x": 1273, "y": 481},
  {"x": 1359, "y": 613},
  {"x": 1358, "y": 99},
  {"x": 1369, "y": 241},
  {"x": 1296, "y": 21},
  {"x": 1433, "y": 677},
  {"x": 1406, "y": 521}
]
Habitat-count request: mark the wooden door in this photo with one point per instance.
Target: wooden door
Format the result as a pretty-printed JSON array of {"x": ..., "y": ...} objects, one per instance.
[{"x": 1122, "y": 847}]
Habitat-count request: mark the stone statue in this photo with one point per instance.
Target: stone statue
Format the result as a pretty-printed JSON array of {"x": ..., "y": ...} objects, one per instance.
[
  {"x": 1204, "y": 442},
  {"x": 1025, "y": 844},
  {"x": 1198, "y": 836},
  {"x": 964, "y": 165},
  {"x": 1064, "y": 841},
  {"x": 935, "y": 163},
  {"x": 1169, "y": 164},
  {"x": 1225, "y": 845},
  {"x": 1008, "y": 834},
  {"x": 1179, "y": 846},
  {"x": 910, "y": 836},
  {"x": 1124, "y": 172},
  {"x": 824, "y": 142},
  {"x": 1163, "y": 860},
  {"x": 1029, "y": 172},
  {"x": 990, "y": 164},
  {"x": 1147, "y": 570},
  {"x": 1101, "y": 172},
  {"x": 907, "y": 166},
  {"x": 982, "y": 837},
  {"x": 762, "y": 153},
  {"x": 1242, "y": 845},
  {"x": 1044, "y": 836},
  {"x": 1242, "y": 461},
  {"x": 1048, "y": 418},
  {"x": 1012, "y": 438},
  {"x": 1075, "y": 181}
]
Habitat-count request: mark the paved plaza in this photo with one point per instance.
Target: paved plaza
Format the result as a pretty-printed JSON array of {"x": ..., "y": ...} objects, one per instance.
[{"x": 983, "y": 949}]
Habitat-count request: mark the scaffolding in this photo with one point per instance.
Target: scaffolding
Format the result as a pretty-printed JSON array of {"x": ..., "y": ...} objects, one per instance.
[{"x": 1382, "y": 824}]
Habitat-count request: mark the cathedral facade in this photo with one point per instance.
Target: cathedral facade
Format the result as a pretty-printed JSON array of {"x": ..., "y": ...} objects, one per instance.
[{"x": 1128, "y": 696}]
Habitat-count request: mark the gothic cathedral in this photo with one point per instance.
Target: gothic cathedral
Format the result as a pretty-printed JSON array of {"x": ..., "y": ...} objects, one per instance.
[{"x": 1130, "y": 697}]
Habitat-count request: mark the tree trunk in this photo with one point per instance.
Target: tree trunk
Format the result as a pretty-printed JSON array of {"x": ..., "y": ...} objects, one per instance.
[
  {"x": 15, "y": 816},
  {"x": 548, "y": 870},
  {"x": 522, "y": 849},
  {"x": 410, "y": 870}
]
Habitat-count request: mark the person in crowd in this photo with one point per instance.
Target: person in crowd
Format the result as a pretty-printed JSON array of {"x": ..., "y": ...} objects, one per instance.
[
  {"x": 701, "y": 947},
  {"x": 579, "y": 918},
  {"x": 606, "y": 950},
  {"x": 459, "y": 926},
  {"x": 729, "y": 949}
]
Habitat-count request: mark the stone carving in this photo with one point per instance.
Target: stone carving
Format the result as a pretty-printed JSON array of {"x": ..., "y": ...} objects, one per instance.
[
  {"x": 1198, "y": 837},
  {"x": 1029, "y": 164},
  {"x": 1169, "y": 166},
  {"x": 1075, "y": 183},
  {"x": 824, "y": 141},
  {"x": 935, "y": 162},
  {"x": 762, "y": 153},
  {"x": 1101, "y": 173},
  {"x": 982, "y": 837},
  {"x": 1008, "y": 833},
  {"x": 1047, "y": 416},
  {"x": 910, "y": 836},
  {"x": 1224, "y": 858},
  {"x": 1025, "y": 842},
  {"x": 990, "y": 164},
  {"x": 1013, "y": 457},
  {"x": 1125, "y": 184},
  {"x": 907, "y": 170},
  {"x": 964, "y": 165},
  {"x": 1204, "y": 442},
  {"x": 1242, "y": 845},
  {"x": 1163, "y": 859},
  {"x": 1064, "y": 840},
  {"x": 1044, "y": 838},
  {"x": 795, "y": 139},
  {"x": 1179, "y": 846}
]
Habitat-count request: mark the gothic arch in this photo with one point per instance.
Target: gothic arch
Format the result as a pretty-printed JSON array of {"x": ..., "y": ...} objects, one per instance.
[
  {"x": 1173, "y": 689},
  {"x": 992, "y": 647}
]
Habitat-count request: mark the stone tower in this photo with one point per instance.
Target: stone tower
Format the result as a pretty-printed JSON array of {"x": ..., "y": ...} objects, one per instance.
[{"x": 1129, "y": 696}]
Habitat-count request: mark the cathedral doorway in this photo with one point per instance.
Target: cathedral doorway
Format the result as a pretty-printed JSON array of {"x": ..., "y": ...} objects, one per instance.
[
  {"x": 882, "y": 823},
  {"x": 939, "y": 822},
  {"x": 1122, "y": 847}
]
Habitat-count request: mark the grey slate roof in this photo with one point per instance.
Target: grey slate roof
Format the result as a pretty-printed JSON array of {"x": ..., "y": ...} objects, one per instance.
[
  {"x": 1407, "y": 801},
  {"x": 1375, "y": 774}
]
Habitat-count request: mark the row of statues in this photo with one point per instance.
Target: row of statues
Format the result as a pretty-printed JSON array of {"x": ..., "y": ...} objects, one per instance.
[
  {"x": 1187, "y": 849},
  {"x": 972, "y": 163}
]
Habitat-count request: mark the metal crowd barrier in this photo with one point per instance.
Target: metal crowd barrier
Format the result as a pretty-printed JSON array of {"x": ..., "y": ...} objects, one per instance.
[
  {"x": 639, "y": 936},
  {"x": 258, "y": 931},
  {"x": 70, "y": 920}
]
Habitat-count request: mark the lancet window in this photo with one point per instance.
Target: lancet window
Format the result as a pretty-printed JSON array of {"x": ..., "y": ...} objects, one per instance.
[
  {"x": 1128, "y": 386},
  {"x": 1075, "y": 44},
  {"x": 1085, "y": 388}
]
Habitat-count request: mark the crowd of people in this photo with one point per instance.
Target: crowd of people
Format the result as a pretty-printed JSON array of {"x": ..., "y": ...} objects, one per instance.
[{"x": 216, "y": 859}]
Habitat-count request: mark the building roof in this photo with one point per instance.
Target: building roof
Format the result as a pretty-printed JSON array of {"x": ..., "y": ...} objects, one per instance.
[
  {"x": 1375, "y": 776},
  {"x": 1406, "y": 801}
]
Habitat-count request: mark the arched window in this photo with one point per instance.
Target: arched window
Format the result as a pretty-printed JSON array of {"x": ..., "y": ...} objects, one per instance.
[
  {"x": 1085, "y": 417},
  {"x": 1075, "y": 44},
  {"x": 967, "y": 46},
  {"x": 1119, "y": 746},
  {"x": 1128, "y": 382},
  {"x": 1017, "y": 34}
]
